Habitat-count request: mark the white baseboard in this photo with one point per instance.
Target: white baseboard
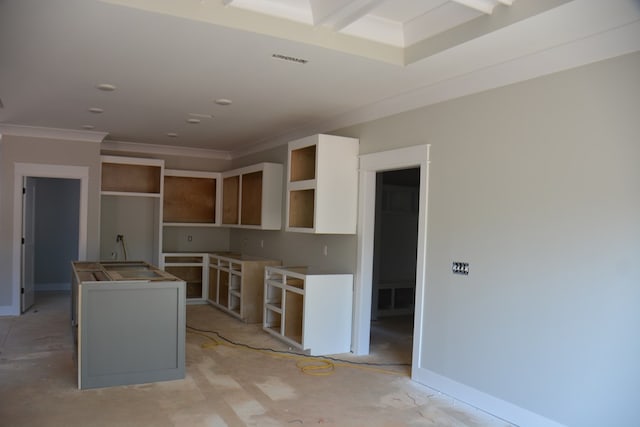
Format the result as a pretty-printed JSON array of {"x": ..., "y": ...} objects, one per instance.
[
  {"x": 52, "y": 287},
  {"x": 8, "y": 310},
  {"x": 483, "y": 401}
]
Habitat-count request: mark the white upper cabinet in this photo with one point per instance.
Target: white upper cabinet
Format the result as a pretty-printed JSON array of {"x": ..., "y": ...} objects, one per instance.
[
  {"x": 322, "y": 185},
  {"x": 252, "y": 197}
]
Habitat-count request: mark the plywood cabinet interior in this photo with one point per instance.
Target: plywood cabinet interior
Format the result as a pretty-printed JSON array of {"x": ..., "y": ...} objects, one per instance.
[
  {"x": 192, "y": 268},
  {"x": 131, "y": 175},
  {"x": 309, "y": 310},
  {"x": 231, "y": 200},
  {"x": 190, "y": 198},
  {"x": 322, "y": 185},
  {"x": 236, "y": 284},
  {"x": 252, "y": 197}
]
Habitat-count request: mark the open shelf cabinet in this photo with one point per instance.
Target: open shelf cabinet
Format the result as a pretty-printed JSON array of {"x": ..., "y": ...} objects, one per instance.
[
  {"x": 322, "y": 185},
  {"x": 190, "y": 267},
  {"x": 190, "y": 198},
  {"x": 309, "y": 310},
  {"x": 131, "y": 207},
  {"x": 236, "y": 284},
  {"x": 252, "y": 197}
]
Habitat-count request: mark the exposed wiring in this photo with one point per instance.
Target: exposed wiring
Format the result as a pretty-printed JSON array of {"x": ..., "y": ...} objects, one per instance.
[
  {"x": 120, "y": 238},
  {"x": 309, "y": 365}
]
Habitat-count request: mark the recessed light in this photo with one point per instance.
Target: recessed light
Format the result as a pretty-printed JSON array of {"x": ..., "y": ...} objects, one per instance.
[
  {"x": 193, "y": 121},
  {"x": 106, "y": 87},
  {"x": 88, "y": 127},
  {"x": 172, "y": 135},
  {"x": 96, "y": 110},
  {"x": 223, "y": 101}
]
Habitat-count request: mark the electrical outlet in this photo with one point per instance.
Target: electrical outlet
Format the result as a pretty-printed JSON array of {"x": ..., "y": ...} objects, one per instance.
[
  {"x": 189, "y": 238},
  {"x": 325, "y": 250},
  {"x": 262, "y": 243},
  {"x": 460, "y": 268}
]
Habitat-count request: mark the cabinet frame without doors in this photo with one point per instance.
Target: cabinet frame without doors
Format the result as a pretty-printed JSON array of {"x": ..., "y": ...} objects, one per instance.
[
  {"x": 191, "y": 198},
  {"x": 308, "y": 309},
  {"x": 322, "y": 185},
  {"x": 236, "y": 284},
  {"x": 192, "y": 268},
  {"x": 252, "y": 197}
]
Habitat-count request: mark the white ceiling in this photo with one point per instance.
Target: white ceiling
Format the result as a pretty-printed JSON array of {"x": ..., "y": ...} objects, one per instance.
[{"x": 171, "y": 59}]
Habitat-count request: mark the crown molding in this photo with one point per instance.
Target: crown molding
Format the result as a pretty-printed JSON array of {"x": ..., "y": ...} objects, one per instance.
[
  {"x": 167, "y": 150},
  {"x": 52, "y": 133}
]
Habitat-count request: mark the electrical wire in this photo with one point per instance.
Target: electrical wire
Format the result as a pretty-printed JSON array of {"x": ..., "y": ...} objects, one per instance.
[
  {"x": 124, "y": 248},
  {"x": 309, "y": 365},
  {"x": 120, "y": 237}
]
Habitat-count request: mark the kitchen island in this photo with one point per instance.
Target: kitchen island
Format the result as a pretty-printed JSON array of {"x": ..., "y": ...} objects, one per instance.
[{"x": 129, "y": 324}]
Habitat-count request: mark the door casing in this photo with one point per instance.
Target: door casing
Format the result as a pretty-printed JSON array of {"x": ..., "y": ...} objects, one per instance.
[
  {"x": 23, "y": 170},
  {"x": 370, "y": 164}
]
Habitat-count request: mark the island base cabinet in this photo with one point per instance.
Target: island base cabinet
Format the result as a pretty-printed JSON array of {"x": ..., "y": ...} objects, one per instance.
[{"x": 129, "y": 323}]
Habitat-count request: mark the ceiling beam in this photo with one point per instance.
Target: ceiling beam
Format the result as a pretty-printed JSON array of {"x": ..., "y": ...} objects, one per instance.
[
  {"x": 338, "y": 14},
  {"x": 484, "y": 6}
]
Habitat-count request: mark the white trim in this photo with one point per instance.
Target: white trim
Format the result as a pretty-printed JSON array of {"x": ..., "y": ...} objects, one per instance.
[
  {"x": 133, "y": 161},
  {"x": 370, "y": 164},
  {"x": 192, "y": 174},
  {"x": 22, "y": 170},
  {"x": 167, "y": 150},
  {"x": 8, "y": 310},
  {"x": 53, "y": 133},
  {"x": 483, "y": 401}
]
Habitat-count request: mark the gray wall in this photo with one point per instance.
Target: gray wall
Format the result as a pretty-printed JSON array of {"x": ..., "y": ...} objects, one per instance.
[
  {"x": 56, "y": 231},
  {"x": 537, "y": 185},
  {"x": 47, "y": 151}
]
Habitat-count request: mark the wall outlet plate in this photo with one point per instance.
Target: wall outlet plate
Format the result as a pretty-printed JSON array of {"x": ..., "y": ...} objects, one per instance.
[{"x": 460, "y": 268}]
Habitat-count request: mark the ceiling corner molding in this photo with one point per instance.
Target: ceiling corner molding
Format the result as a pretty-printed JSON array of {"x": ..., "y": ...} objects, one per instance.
[
  {"x": 167, "y": 150},
  {"x": 52, "y": 133}
]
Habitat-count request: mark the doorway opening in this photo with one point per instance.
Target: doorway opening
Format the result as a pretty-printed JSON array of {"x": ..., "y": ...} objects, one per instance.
[
  {"x": 51, "y": 217},
  {"x": 63, "y": 191},
  {"x": 394, "y": 263},
  {"x": 370, "y": 165}
]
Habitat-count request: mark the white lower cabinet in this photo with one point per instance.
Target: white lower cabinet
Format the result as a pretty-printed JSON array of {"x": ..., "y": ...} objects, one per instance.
[
  {"x": 309, "y": 310},
  {"x": 235, "y": 284},
  {"x": 190, "y": 267}
]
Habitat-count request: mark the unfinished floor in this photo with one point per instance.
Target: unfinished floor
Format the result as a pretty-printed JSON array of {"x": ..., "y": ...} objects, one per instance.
[{"x": 225, "y": 385}]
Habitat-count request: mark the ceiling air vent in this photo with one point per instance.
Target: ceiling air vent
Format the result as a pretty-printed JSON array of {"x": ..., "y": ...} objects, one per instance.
[{"x": 289, "y": 58}]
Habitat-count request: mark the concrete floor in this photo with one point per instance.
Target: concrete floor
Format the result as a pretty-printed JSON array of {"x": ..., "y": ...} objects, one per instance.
[{"x": 224, "y": 386}]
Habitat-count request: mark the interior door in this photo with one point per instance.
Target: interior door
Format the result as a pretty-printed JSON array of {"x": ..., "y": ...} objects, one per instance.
[{"x": 28, "y": 242}]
